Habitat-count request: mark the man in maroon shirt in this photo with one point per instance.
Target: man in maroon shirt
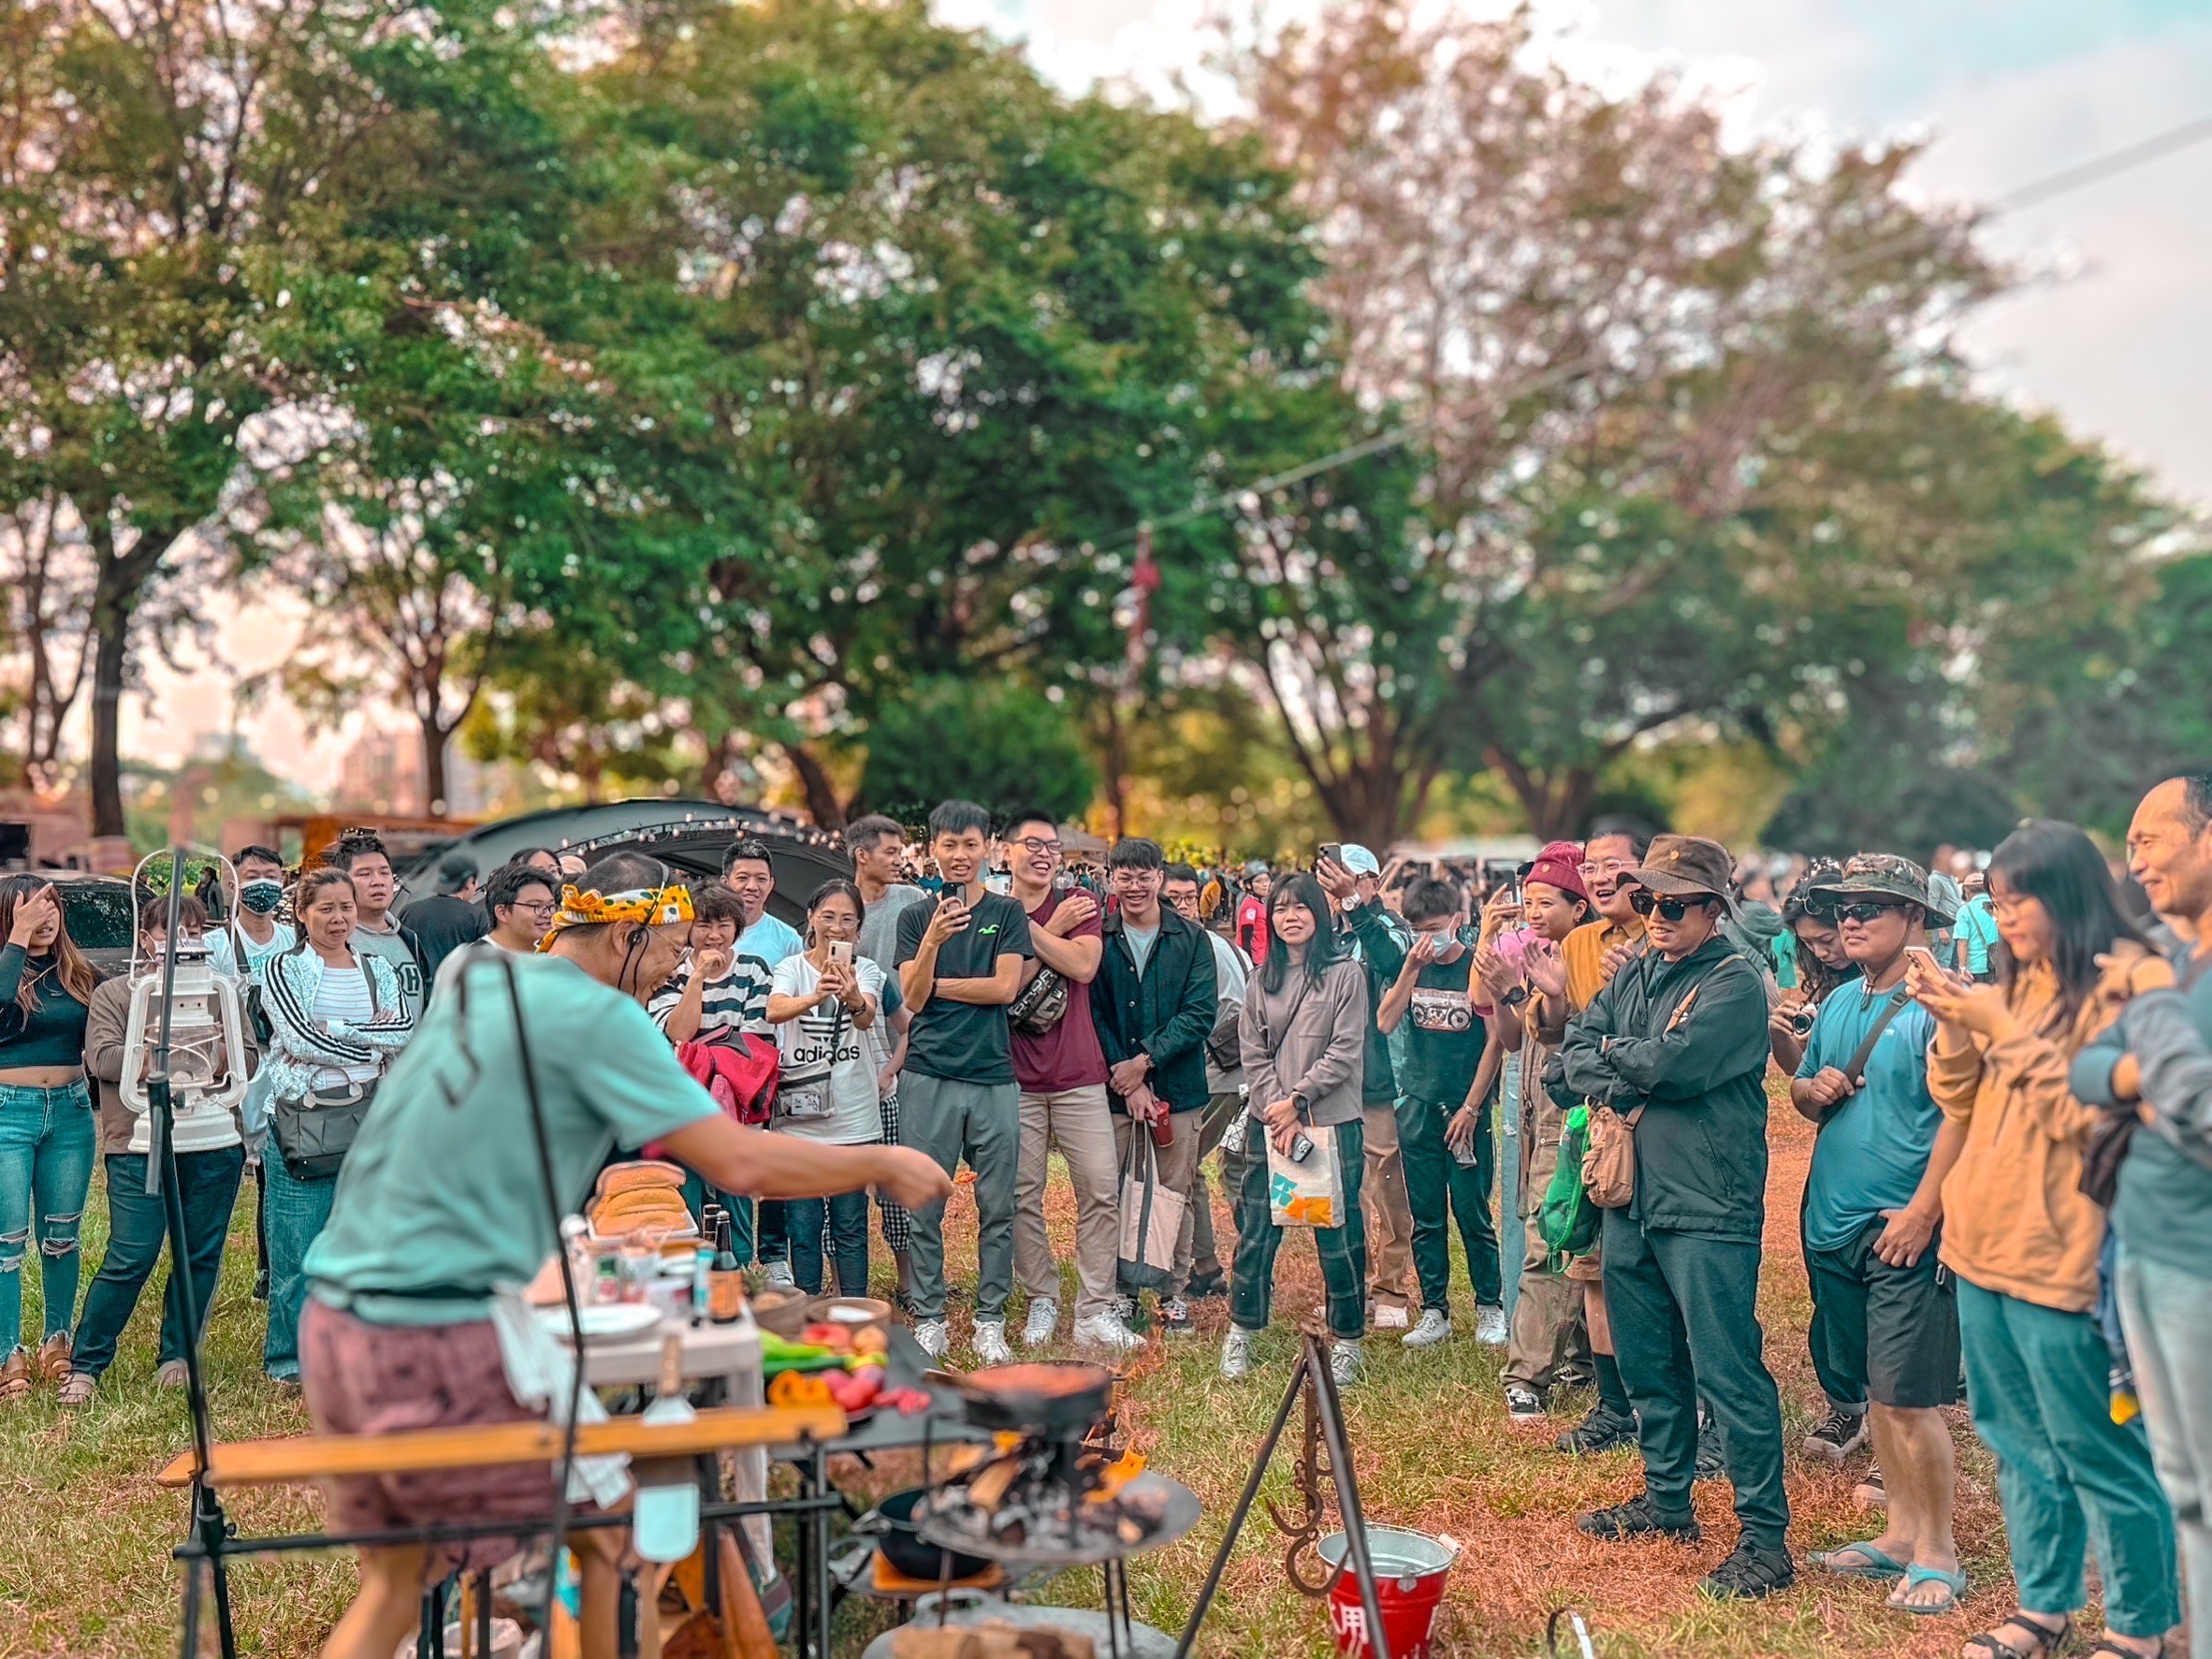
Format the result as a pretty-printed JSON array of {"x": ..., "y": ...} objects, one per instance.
[{"x": 1062, "y": 1073}]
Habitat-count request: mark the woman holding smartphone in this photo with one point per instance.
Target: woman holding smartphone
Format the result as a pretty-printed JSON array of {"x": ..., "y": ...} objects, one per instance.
[
  {"x": 47, "y": 1135},
  {"x": 821, "y": 1003}
]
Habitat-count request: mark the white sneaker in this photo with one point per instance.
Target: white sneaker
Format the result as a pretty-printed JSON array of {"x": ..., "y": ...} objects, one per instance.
[
  {"x": 1433, "y": 1329},
  {"x": 1489, "y": 1324},
  {"x": 932, "y": 1338},
  {"x": 1236, "y": 1354},
  {"x": 1103, "y": 1330},
  {"x": 1124, "y": 1308},
  {"x": 1044, "y": 1320},
  {"x": 1346, "y": 1360},
  {"x": 1390, "y": 1318},
  {"x": 779, "y": 1275},
  {"x": 990, "y": 1343}
]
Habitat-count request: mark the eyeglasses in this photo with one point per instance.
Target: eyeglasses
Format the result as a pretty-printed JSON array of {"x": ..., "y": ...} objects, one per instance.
[
  {"x": 1865, "y": 911},
  {"x": 1611, "y": 867},
  {"x": 1643, "y": 901},
  {"x": 1037, "y": 844},
  {"x": 543, "y": 908}
]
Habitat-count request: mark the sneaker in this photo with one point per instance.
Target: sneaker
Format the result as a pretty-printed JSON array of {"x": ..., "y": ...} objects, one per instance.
[
  {"x": 1236, "y": 1354},
  {"x": 1206, "y": 1286},
  {"x": 1489, "y": 1324},
  {"x": 1346, "y": 1360},
  {"x": 1602, "y": 1431},
  {"x": 1434, "y": 1327},
  {"x": 172, "y": 1375},
  {"x": 1044, "y": 1320},
  {"x": 1837, "y": 1435},
  {"x": 1752, "y": 1573},
  {"x": 1175, "y": 1317},
  {"x": 1390, "y": 1316},
  {"x": 1639, "y": 1517},
  {"x": 1869, "y": 1493},
  {"x": 990, "y": 1343},
  {"x": 1523, "y": 1405},
  {"x": 932, "y": 1337},
  {"x": 1103, "y": 1330},
  {"x": 261, "y": 1284},
  {"x": 1712, "y": 1461},
  {"x": 778, "y": 1275}
]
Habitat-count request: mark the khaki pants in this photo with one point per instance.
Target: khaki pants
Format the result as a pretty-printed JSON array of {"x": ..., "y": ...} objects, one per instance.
[
  {"x": 1177, "y": 1162},
  {"x": 1546, "y": 1337},
  {"x": 1391, "y": 1280},
  {"x": 1078, "y": 1122},
  {"x": 1199, "y": 1253}
]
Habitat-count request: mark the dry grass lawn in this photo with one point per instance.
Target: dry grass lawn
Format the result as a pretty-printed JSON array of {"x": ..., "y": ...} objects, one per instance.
[{"x": 84, "y": 1568}]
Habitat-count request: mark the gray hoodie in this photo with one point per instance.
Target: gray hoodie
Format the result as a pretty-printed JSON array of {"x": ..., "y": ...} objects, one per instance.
[{"x": 1308, "y": 1039}]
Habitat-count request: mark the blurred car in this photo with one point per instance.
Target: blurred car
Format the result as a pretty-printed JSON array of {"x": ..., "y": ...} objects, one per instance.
[{"x": 100, "y": 913}]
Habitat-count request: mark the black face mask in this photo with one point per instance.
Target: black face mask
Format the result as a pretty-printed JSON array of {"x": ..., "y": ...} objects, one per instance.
[{"x": 261, "y": 896}]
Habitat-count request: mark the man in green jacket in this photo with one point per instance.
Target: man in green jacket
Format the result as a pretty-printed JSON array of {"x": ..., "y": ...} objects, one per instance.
[{"x": 1676, "y": 1043}]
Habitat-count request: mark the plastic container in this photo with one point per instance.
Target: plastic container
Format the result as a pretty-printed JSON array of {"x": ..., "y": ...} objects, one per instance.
[{"x": 1410, "y": 1568}]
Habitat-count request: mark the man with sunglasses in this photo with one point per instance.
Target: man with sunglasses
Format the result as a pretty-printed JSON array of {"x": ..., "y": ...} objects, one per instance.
[
  {"x": 1676, "y": 1043},
  {"x": 1884, "y": 1315}
]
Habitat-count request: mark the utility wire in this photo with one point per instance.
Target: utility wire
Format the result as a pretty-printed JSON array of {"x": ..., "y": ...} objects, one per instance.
[{"x": 2036, "y": 191}]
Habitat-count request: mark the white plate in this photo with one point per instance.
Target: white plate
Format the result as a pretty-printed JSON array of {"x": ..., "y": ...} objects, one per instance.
[{"x": 606, "y": 1319}]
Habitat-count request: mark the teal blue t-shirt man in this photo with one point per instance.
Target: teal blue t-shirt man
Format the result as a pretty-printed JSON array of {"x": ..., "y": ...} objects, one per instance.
[
  {"x": 1874, "y": 1147},
  {"x": 441, "y": 1192}
]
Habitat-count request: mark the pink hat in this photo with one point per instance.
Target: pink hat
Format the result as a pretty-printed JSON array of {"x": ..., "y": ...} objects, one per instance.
[{"x": 1560, "y": 866}]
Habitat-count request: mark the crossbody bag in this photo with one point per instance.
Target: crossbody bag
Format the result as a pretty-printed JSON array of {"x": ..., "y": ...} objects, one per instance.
[{"x": 315, "y": 1130}]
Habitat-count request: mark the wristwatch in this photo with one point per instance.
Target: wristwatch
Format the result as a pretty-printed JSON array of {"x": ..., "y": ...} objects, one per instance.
[{"x": 1516, "y": 997}]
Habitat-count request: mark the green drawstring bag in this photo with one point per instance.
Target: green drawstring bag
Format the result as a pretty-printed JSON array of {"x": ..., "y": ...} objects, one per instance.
[{"x": 1567, "y": 1221}]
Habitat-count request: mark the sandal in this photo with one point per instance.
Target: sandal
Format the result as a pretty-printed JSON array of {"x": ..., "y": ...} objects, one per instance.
[
  {"x": 1872, "y": 1563},
  {"x": 1919, "y": 1578},
  {"x": 2107, "y": 1646},
  {"x": 78, "y": 1390},
  {"x": 15, "y": 1376},
  {"x": 53, "y": 1356},
  {"x": 2048, "y": 1642}
]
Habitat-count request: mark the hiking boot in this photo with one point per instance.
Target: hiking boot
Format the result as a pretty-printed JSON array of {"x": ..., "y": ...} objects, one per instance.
[
  {"x": 1434, "y": 1327},
  {"x": 1175, "y": 1317},
  {"x": 1044, "y": 1320},
  {"x": 1236, "y": 1354},
  {"x": 1837, "y": 1435},
  {"x": 1347, "y": 1360},
  {"x": 932, "y": 1337},
  {"x": 1602, "y": 1431},
  {"x": 1869, "y": 1493},
  {"x": 1103, "y": 1330},
  {"x": 1205, "y": 1287},
  {"x": 1523, "y": 1405},
  {"x": 1490, "y": 1329},
  {"x": 1639, "y": 1517},
  {"x": 990, "y": 1343},
  {"x": 1752, "y": 1573},
  {"x": 1712, "y": 1461}
]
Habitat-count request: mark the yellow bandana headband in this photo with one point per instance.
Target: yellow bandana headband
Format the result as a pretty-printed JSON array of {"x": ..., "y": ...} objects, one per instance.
[{"x": 657, "y": 907}]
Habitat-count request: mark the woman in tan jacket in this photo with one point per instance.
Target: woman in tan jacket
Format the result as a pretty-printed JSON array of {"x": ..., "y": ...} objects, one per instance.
[{"x": 2024, "y": 1243}]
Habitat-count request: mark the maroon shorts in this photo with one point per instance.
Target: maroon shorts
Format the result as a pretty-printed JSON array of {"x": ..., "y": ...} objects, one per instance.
[{"x": 378, "y": 1379}]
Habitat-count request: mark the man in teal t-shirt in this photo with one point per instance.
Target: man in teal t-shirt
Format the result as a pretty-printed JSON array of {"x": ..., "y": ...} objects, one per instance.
[{"x": 443, "y": 1201}]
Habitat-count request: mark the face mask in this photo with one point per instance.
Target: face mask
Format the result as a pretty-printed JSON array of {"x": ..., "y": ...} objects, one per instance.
[{"x": 261, "y": 896}]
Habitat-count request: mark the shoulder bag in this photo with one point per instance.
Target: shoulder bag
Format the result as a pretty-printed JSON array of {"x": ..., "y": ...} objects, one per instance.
[
  {"x": 1608, "y": 1167},
  {"x": 1042, "y": 1005},
  {"x": 315, "y": 1130}
]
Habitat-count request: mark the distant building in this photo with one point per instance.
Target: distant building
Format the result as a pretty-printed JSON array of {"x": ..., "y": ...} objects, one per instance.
[{"x": 382, "y": 772}]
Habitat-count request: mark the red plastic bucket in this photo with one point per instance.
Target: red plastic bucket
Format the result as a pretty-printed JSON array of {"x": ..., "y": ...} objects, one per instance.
[{"x": 1410, "y": 1568}]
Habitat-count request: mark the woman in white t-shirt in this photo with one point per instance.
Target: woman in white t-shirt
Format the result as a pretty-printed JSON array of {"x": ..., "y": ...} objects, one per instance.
[{"x": 822, "y": 1003}]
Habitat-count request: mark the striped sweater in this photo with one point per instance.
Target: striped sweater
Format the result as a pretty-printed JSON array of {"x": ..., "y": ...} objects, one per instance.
[{"x": 302, "y": 1054}]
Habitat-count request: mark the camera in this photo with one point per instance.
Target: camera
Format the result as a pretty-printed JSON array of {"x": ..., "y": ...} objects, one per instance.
[{"x": 1802, "y": 1020}]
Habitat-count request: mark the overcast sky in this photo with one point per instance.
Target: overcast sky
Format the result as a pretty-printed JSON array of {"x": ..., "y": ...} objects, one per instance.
[{"x": 2115, "y": 334}]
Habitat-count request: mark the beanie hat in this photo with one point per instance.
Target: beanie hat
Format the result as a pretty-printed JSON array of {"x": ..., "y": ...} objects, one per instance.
[{"x": 1560, "y": 866}]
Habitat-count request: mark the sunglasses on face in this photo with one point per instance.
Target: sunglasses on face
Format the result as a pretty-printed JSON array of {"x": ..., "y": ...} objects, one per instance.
[
  {"x": 1643, "y": 901},
  {"x": 1865, "y": 911}
]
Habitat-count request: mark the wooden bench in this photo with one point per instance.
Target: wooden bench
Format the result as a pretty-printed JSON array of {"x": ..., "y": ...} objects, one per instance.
[{"x": 314, "y": 1457}]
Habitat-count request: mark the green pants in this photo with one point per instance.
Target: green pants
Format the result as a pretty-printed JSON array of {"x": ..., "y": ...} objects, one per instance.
[
  {"x": 981, "y": 1123},
  {"x": 1436, "y": 1181},
  {"x": 1685, "y": 1315},
  {"x": 2070, "y": 1479},
  {"x": 1343, "y": 1249}
]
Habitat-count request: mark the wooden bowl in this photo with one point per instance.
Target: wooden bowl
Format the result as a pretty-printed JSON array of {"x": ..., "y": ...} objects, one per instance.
[
  {"x": 781, "y": 1312},
  {"x": 854, "y": 1314}
]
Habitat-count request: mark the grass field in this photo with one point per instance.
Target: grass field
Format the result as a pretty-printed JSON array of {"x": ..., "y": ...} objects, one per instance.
[{"x": 84, "y": 1568}]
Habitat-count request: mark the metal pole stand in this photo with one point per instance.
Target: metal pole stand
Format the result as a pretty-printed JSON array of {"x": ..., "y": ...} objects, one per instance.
[{"x": 1311, "y": 1379}]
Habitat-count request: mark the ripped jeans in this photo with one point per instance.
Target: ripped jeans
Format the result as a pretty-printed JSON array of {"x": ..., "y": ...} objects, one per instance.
[{"x": 48, "y": 1137}]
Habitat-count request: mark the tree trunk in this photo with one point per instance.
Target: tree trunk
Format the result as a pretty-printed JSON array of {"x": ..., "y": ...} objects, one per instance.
[
  {"x": 1557, "y": 803},
  {"x": 112, "y": 603},
  {"x": 821, "y": 790},
  {"x": 434, "y": 798}
]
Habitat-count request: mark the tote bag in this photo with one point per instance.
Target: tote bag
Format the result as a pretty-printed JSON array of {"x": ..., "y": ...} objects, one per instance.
[{"x": 1151, "y": 1218}]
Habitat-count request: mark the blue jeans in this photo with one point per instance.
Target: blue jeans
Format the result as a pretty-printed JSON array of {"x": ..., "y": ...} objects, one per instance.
[
  {"x": 847, "y": 1214},
  {"x": 47, "y": 1141},
  {"x": 138, "y": 1229},
  {"x": 297, "y": 1213},
  {"x": 2162, "y": 1307}
]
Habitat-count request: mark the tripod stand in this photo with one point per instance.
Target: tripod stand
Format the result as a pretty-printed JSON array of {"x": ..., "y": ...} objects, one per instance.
[{"x": 1312, "y": 1381}]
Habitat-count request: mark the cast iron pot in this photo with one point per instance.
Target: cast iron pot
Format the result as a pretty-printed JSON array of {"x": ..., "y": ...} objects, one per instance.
[
  {"x": 904, "y": 1548},
  {"x": 1061, "y": 1398}
]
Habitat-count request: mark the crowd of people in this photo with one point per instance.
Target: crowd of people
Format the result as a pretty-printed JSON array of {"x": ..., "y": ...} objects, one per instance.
[{"x": 2008, "y": 1202}]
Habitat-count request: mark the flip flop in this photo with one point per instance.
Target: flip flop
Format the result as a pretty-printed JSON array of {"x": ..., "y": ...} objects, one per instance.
[
  {"x": 1917, "y": 1576},
  {"x": 1873, "y": 1563}
]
